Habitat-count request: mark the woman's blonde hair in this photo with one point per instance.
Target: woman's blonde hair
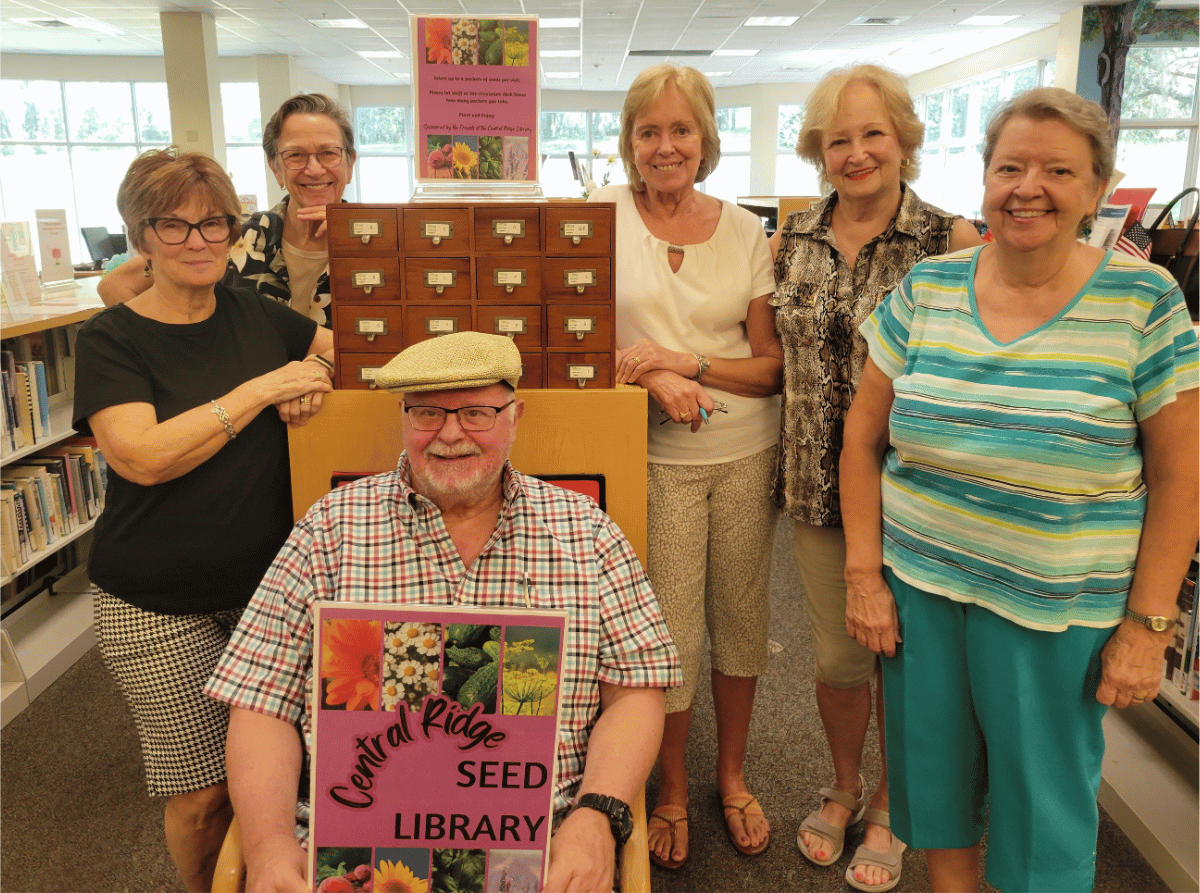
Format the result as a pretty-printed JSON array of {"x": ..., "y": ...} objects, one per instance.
[
  {"x": 826, "y": 101},
  {"x": 645, "y": 90},
  {"x": 161, "y": 180}
]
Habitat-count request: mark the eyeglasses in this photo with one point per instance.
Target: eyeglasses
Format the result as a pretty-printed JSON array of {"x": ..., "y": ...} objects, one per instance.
[
  {"x": 470, "y": 418},
  {"x": 173, "y": 231},
  {"x": 295, "y": 160}
]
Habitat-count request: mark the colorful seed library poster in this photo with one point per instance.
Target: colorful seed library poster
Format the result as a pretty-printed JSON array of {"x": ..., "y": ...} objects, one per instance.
[
  {"x": 476, "y": 97},
  {"x": 433, "y": 747}
]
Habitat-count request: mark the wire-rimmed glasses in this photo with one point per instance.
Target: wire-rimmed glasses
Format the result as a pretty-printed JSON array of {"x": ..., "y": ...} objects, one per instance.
[{"x": 297, "y": 159}]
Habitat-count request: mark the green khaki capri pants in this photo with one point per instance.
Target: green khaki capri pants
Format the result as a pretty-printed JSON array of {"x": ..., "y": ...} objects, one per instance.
[{"x": 710, "y": 533}]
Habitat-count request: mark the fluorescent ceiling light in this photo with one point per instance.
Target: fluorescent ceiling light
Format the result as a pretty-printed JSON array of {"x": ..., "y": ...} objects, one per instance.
[
  {"x": 77, "y": 22},
  {"x": 562, "y": 74},
  {"x": 770, "y": 21},
  {"x": 988, "y": 20},
  {"x": 717, "y": 74},
  {"x": 337, "y": 23},
  {"x": 381, "y": 54},
  {"x": 558, "y": 23},
  {"x": 735, "y": 52},
  {"x": 559, "y": 54}
]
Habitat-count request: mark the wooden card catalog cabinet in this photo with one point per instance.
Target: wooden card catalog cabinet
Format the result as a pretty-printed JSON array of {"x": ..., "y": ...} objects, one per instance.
[{"x": 539, "y": 273}]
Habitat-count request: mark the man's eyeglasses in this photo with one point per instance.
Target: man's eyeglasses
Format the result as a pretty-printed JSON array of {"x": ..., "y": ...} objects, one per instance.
[
  {"x": 173, "y": 231},
  {"x": 470, "y": 418},
  {"x": 295, "y": 160}
]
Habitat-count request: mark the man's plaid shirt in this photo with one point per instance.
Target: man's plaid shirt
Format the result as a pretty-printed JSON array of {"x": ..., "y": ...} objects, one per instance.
[{"x": 376, "y": 540}]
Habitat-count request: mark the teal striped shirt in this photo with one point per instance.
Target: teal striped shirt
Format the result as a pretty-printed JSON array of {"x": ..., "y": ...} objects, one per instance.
[{"x": 1015, "y": 475}]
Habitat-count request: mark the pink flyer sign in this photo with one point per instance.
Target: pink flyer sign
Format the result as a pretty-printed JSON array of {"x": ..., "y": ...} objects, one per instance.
[
  {"x": 476, "y": 97},
  {"x": 433, "y": 747}
]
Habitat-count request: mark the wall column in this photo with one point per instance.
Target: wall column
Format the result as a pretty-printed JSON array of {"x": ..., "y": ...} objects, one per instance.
[
  {"x": 276, "y": 83},
  {"x": 1067, "y": 50},
  {"x": 193, "y": 82}
]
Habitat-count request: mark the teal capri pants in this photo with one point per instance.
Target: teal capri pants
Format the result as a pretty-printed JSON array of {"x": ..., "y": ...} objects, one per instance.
[{"x": 992, "y": 724}]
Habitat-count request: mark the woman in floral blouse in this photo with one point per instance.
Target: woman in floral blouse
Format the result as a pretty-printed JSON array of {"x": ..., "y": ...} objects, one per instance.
[{"x": 283, "y": 253}]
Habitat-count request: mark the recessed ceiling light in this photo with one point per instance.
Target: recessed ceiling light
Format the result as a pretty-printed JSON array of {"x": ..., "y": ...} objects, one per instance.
[
  {"x": 558, "y": 23},
  {"x": 717, "y": 74},
  {"x": 770, "y": 21},
  {"x": 988, "y": 20},
  {"x": 562, "y": 74},
  {"x": 735, "y": 52},
  {"x": 559, "y": 54},
  {"x": 381, "y": 54},
  {"x": 880, "y": 20},
  {"x": 337, "y": 23}
]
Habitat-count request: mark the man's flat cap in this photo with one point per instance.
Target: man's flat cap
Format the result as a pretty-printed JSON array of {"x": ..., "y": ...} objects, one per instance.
[{"x": 451, "y": 362}]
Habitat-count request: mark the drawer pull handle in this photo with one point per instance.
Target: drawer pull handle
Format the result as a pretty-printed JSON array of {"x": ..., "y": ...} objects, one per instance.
[
  {"x": 436, "y": 240},
  {"x": 508, "y": 240},
  {"x": 366, "y": 229}
]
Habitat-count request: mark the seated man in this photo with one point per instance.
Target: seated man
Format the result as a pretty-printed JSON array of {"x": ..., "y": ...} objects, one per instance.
[{"x": 455, "y": 524}]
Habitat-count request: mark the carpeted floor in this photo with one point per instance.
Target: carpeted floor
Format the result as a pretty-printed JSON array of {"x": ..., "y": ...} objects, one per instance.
[{"x": 75, "y": 818}]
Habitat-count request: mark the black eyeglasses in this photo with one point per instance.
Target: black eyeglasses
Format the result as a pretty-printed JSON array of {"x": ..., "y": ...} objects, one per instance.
[
  {"x": 173, "y": 231},
  {"x": 295, "y": 160},
  {"x": 470, "y": 418}
]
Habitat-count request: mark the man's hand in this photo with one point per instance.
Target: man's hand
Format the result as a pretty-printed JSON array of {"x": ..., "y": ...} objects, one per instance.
[
  {"x": 279, "y": 866},
  {"x": 582, "y": 854}
]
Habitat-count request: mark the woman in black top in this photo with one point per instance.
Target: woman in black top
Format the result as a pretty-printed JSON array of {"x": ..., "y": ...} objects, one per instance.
[{"x": 188, "y": 388}]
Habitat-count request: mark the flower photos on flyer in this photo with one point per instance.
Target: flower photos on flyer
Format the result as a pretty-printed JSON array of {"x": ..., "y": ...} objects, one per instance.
[
  {"x": 475, "y": 92},
  {"x": 434, "y": 741}
]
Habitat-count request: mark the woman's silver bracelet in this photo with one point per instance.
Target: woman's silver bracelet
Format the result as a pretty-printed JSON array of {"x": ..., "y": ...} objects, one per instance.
[{"x": 219, "y": 411}]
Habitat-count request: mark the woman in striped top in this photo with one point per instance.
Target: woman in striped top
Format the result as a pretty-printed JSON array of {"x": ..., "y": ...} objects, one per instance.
[{"x": 1019, "y": 495}]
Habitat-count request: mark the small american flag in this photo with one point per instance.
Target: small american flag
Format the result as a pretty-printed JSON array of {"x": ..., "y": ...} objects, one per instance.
[{"x": 1135, "y": 241}]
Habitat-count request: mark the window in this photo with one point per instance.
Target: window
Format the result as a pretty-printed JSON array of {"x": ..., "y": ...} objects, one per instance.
[
  {"x": 385, "y": 157},
  {"x": 593, "y": 137},
  {"x": 243, "y": 140},
  {"x": 793, "y": 176},
  {"x": 732, "y": 176},
  {"x": 1157, "y": 142},
  {"x": 68, "y": 145},
  {"x": 955, "y": 121}
]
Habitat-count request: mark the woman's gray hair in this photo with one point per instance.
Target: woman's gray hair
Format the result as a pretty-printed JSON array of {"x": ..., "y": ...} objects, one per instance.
[
  {"x": 1054, "y": 103},
  {"x": 306, "y": 104},
  {"x": 825, "y": 102},
  {"x": 645, "y": 90}
]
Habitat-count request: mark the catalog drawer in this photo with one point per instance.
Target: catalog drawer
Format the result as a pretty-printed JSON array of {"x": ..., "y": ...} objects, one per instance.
[
  {"x": 504, "y": 229},
  {"x": 586, "y": 228},
  {"x": 579, "y": 370},
  {"x": 521, "y": 322},
  {"x": 433, "y": 229},
  {"x": 579, "y": 327},
  {"x": 577, "y": 278},
  {"x": 508, "y": 280},
  {"x": 423, "y": 321},
  {"x": 361, "y": 229},
  {"x": 357, "y": 371},
  {"x": 362, "y": 278},
  {"x": 434, "y": 279},
  {"x": 369, "y": 327}
]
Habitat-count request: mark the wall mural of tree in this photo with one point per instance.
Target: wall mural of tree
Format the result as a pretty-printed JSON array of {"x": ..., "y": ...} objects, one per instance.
[{"x": 1121, "y": 25}]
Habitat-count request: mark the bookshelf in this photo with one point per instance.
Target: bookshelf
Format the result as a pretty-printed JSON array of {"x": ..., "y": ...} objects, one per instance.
[{"x": 46, "y": 612}]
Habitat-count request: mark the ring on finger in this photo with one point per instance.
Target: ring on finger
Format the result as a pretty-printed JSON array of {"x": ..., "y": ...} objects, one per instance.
[
  {"x": 637, "y": 361},
  {"x": 306, "y": 400},
  {"x": 685, "y": 416}
]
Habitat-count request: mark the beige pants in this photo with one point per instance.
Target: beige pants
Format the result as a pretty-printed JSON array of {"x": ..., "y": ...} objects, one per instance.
[
  {"x": 711, "y": 529},
  {"x": 821, "y": 556}
]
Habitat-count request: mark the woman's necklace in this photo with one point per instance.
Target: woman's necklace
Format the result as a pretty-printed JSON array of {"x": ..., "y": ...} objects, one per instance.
[{"x": 674, "y": 249}]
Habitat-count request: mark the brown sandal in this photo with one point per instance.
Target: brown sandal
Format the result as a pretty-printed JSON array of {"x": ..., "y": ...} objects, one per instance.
[
  {"x": 747, "y": 805},
  {"x": 663, "y": 814}
]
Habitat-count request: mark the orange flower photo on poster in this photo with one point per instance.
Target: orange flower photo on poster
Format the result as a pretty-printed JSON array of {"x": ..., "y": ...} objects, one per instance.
[
  {"x": 439, "y": 41},
  {"x": 350, "y": 664}
]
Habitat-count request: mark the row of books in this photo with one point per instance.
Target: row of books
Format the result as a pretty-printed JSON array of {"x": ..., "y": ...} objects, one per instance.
[
  {"x": 46, "y": 497},
  {"x": 24, "y": 403},
  {"x": 1182, "y": 656}
]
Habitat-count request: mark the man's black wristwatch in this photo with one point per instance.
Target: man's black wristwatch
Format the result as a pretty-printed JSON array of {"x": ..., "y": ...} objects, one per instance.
[{"x": 620, "y": 819}]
